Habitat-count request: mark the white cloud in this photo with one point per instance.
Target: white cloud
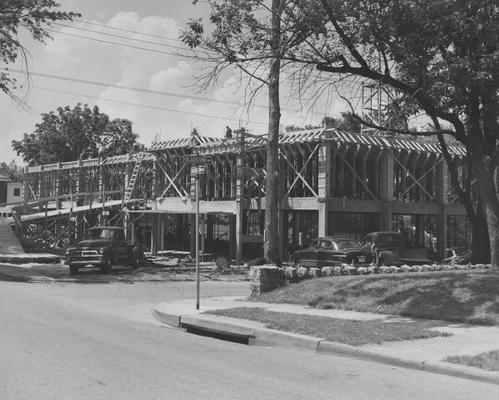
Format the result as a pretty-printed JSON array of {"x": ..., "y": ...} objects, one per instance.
[
  {"x": 171, "y": 76},
  {"x": 154, "y": 25},
  {"x": 63, "y": 49}
]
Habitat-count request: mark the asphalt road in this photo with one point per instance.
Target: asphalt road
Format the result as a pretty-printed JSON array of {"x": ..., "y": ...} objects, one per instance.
[{"x": 100, "y": 341}]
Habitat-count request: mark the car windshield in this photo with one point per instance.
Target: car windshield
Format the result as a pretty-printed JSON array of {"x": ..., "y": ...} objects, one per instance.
[
  {"x": 388, "y": 240},
  {"x": 100, "y": 234},
  {"x": 346, "y": 244}
]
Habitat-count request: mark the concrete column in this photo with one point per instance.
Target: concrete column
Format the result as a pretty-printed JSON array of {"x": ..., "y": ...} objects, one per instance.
[
  {"x": 232, "y": 237},
  {"x": 127, "y": 174},
  {"x": 157, "y": 223},
  {"x": 101, "y": 180},
  {"x": 386, "y": 189},
  {"x": 324, "y": 187},
  {"x": 238, "y": 223},
  {"x": 154, "y": 185},
  {"x": 162, "y": 232},
  {"x": 323, "y": 225},
  {"x": 57, "y": 189},
  {"x": 442, "y": 189},
  {"x": 131, "y": 228},
  {"x": 79, "y": 177},
  {"x": 41, "y": 188},
  {"x": 154, "y": 234}
]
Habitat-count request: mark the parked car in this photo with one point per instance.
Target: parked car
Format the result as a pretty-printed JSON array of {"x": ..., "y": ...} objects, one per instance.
[
  {"x": 388, "y": 248},
  {"x": 332, "y": 251},
  {"x": 103, "y": 247}
]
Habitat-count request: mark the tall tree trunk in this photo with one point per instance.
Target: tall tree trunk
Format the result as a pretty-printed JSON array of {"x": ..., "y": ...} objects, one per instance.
[
  {"x": 271, "y": 245},
  {"x": 491, "y": 207},
  {"x": 480, "y": 243},
  {"x": 491, "y": 214}
]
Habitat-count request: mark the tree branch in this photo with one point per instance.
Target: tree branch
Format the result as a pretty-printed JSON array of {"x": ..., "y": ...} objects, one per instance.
[{"x": 344, "y": 38}]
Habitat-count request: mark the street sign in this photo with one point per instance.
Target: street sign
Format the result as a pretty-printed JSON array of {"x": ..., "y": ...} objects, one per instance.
[
  {"x": 198, "y": 170},
  {"x": 197, "y": 159}
]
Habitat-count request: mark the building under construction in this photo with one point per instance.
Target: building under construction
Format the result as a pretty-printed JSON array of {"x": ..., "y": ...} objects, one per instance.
[{"x": 333, "y": 183}]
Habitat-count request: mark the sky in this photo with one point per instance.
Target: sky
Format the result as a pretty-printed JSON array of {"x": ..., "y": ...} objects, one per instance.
[{"x": 135, "y": 44}]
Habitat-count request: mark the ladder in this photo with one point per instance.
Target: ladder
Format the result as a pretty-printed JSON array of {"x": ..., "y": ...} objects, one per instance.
[{"x": 131, "y": 183}]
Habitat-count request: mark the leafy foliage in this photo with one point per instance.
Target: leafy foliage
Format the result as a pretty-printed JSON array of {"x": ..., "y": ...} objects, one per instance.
[
  {"x": 241, "y": 35},
  {"x": 76, "y": 133},
  {"x": 12, "y": 170},
  {"x": 32, "y": 16},
  {"x": 437, "y": 58},
  {"x": 346, "y": 122}
]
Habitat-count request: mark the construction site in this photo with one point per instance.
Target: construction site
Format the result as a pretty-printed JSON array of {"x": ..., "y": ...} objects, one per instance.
[{"x": 333, "y": 183}]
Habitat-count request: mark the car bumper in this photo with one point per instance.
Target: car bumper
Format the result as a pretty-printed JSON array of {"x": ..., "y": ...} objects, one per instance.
[
  {"x": 84, "y": 261},
  {"x": 357, "y": 265}
]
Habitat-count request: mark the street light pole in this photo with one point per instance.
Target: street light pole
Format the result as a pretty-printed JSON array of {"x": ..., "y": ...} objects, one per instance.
[{"x": 197, "y": 241}]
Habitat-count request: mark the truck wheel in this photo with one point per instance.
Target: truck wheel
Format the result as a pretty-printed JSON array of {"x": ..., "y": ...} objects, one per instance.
[
  {"x": 106, "y": 267},
  {"x": 73, "y": 269}
]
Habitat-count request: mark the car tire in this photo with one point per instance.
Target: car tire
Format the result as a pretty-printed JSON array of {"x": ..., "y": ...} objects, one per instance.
[
  {"x": 106, "y": 267},
  {"x": 73, "y": 269}
]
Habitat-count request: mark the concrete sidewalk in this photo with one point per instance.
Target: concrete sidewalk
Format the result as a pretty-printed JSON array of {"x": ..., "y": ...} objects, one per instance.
[{"x": 422, "y": 354}]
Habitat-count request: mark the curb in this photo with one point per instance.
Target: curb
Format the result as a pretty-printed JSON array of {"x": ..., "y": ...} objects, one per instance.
[
  {"x": 264, "y": 336},
  {"x": 439, "y": 367},
  {"x": 169, "y": 319},
  {"x": 30, "y": 258}
]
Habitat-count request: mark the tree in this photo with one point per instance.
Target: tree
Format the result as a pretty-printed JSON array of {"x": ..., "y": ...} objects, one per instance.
[
  {"x": 13, "y": 171},
  {"x": 440, "y": 58},
  {"x": 347, "y": 122},
  {"x": 254, "y": 37},
  {"x": 78, "y": 133},
  {"x": 32, "y": 16}
]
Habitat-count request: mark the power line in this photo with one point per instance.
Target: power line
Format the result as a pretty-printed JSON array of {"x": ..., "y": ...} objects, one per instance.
[
  {"x": 119, "y": 44},
  {"x": 127, "y": 30},
  {"x": 119, "y": 36},
  {"x": 147, "y": 106},
  {"x": 136, "y": 89}
]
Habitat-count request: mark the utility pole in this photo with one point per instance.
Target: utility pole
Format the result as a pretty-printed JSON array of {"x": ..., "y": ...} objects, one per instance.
[
  {"x": 196, "y": 170},
  {"x": 197, "y": 236}
]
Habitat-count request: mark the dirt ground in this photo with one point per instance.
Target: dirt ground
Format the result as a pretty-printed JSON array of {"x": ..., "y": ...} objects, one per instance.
[{"x": 148, "y": 272}]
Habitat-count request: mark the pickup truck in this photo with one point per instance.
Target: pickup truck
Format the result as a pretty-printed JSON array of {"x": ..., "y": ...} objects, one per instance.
[
  {"x": 103, "y": 247},
  {"x": 389, "y": 248}
]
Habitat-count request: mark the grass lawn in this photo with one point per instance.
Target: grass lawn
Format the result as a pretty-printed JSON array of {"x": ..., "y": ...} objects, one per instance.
[
  {"x": 489, "y": 361},
  {"x": 355, "y": 333},
  {"x": 457, "y": 296}
]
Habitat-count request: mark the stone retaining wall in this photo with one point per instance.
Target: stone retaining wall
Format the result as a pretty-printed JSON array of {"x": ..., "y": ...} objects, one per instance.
[{"x": 265, "y": 278}]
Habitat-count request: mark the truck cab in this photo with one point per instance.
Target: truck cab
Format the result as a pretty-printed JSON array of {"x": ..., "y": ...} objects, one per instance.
[{"x": 103, "y": 247}]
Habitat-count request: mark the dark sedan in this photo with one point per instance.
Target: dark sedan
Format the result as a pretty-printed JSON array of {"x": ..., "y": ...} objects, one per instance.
[{"x": 333, "y": 251}]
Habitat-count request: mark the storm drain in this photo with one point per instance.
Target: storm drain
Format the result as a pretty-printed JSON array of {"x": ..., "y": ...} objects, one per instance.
[{"x": 227, "y": 336}]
